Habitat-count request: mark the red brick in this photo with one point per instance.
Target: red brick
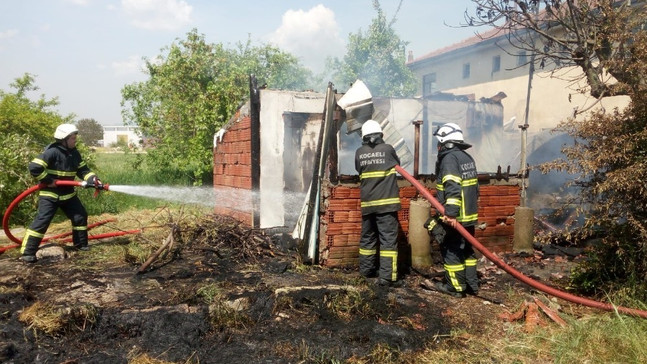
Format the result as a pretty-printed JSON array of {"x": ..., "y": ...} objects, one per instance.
[{"x": 342, "y": 262}]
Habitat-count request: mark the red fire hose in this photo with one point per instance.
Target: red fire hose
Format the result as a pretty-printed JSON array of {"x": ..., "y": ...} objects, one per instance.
[
  {"x": 29, "y": 191},
  {"x": 515, "y": 273}
]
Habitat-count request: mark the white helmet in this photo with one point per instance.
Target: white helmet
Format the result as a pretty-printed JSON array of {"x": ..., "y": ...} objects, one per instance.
[
  {"x": 65, "y": 130},
  {"x": 370, "y": 127},
  {"x": 449, "y": 132}
]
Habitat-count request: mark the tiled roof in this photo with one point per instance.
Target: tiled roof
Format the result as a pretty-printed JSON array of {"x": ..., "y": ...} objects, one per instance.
[{"x": 477, "y": 38}]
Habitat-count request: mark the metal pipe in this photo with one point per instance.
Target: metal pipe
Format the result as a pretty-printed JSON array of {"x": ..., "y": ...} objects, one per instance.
[{"x": 416, "y": 151}]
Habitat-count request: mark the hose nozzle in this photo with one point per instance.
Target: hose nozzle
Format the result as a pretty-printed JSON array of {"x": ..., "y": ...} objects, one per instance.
[{"x": 97, "y": 185}]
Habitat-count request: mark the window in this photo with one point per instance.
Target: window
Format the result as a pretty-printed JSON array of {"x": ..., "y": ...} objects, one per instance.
[
  {"x": 496, "y": 64},
  {"x": 428, "y": 84},
  {"x": 466, "y": 70},
  {"x": 522, "y": 59}
]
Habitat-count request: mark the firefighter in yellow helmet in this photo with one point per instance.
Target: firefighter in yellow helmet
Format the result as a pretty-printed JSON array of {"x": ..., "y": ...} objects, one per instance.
[
  {"x": 457, "y": 190},
  {"x": 375, "y": 162},
  {"x": 59, "y": 161}
]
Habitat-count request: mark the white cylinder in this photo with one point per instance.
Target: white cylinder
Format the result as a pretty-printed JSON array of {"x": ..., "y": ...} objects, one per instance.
[{"x": 419, "y": 239}]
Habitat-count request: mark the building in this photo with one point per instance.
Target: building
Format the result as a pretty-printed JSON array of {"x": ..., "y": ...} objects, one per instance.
[
  {"x": 288, "y": 165},
  {"x": 120, "y": 134},
  {"x": 486, "y": 64}
]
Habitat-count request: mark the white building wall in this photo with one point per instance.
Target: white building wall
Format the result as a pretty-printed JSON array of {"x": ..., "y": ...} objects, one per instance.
[
  {"x": 273, "y": 105},
  {"x": 112, "y": 134},
  {"x": 554, "y": 96}
]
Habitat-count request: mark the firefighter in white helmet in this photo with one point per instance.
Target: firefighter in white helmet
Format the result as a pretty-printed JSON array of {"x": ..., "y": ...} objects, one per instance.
[
  {"x": 457, "y": 190},
  {"x": 60, "y": 161},
  {"x": 375, "y": 162}
]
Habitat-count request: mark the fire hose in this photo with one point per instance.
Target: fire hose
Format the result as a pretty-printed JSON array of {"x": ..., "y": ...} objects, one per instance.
[
  {"x": 98, "y": 187},
  {"x": 515, "y": 273}
]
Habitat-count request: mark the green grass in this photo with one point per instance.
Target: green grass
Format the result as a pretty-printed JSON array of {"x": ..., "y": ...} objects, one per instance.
[
  {"x": 123, "y": 169},
  {"x": 599, "y": 338}
]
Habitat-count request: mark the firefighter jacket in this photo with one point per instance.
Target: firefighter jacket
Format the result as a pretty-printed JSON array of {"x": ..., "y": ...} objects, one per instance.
[
  {"x": 59, "y": 163},
  {"x": 375, "y": 162},
  {"x": 457, "y": 185}
]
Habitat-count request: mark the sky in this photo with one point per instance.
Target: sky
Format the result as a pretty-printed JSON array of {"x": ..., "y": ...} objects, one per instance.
[{"x": 85, "y": 51}]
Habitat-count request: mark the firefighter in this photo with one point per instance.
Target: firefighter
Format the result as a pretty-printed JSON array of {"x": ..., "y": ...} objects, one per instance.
[
  {"x": 60, "y": 161},
  {"x": 457, "y": 190},
  {"x": 375, "y": 162}
]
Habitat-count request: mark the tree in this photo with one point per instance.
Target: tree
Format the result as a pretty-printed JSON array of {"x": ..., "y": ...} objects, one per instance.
[
  {"x": 377, "y": 57},
  {"x": 607, "y": 41},
  {"x": 598, "y": 36},
  {"x": 90, "y": 131},
  {"x": 27, "y": 127},
  {"x": 192, "y": 90},
  {"x": 20, "y": 115}
]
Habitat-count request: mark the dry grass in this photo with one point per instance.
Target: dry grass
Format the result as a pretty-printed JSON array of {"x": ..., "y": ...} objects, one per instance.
[
  {"x": 11, "y": 290},
  {"x": 137, "y": 357},
  {"x": 302, "y": 353},
  {"x": 53, "y": 320},
  {"x": 381, "y": 353},
  {"x": 349, "y": 305},
  {"x": 134, "y": 249},
  {"x": 602, "y": 338},
  {"x": 221, "y": 314},
  {"x": 146, "y": 359}
]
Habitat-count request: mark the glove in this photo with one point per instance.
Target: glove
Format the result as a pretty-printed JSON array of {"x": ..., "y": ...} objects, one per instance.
[
  {"x": 94, "y": 181},
  {"x": 436, "y": 228}
]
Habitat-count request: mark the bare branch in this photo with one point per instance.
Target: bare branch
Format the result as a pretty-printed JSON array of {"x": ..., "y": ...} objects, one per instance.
[{"x": 594, "y": 35}]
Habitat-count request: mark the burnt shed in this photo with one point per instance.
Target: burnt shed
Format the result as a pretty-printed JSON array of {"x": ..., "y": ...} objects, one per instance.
[{"x": 288, "y": 156}]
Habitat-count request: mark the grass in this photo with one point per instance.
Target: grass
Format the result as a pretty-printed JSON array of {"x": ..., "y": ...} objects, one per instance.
[
  {"x": 55, "y": 320},
  {"x": 349, "y": 305},
  {"x": 604, "y": 338},
  {"x": 135, "y": 356},
  {"x": 123, "y": 169},
  {"x": 594, "y": 338}
]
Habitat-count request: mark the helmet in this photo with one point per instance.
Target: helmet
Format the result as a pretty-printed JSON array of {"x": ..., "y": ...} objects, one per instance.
[
  {"x": 370, "y": 127},
  {"x": 65, "y": 130},
  {"x": 449, "y": 132}
]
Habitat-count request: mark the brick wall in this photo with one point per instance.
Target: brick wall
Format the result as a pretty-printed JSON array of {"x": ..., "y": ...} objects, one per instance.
[
  {"x": 340, "y": 224},
  {"x": 232, "y": 167}
]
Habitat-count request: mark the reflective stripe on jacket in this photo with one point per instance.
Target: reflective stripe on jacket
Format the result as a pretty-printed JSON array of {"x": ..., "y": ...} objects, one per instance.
[
  {"x": 59, "y": 163},
  {"x": 375, "y": 163},
  {"x": 457, "y": 185}
]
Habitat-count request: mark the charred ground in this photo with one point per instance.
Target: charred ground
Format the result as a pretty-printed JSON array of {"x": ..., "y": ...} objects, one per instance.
[{"x": 225, "y": 293}]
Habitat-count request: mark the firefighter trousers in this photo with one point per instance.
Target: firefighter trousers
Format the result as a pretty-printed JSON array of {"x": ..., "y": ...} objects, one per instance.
[
  {"x": 379, "y": 238},
  {"x": 459, "y": 261},
  {"x": 47, "y": 206}
]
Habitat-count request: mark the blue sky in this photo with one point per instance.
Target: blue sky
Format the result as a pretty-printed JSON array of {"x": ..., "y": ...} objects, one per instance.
[{"x": 85, "y": 51}]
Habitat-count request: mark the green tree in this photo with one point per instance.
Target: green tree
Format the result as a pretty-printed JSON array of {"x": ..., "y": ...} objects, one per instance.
[
  {"x": 90, "y": 131},
  {"x": 608, "y": 160},
  {"x": 377, "y": 57},
  {"x": 27, "y": 127},
  {"x": 20, "y": 115},
  {"x": 193, "y": 88}
]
